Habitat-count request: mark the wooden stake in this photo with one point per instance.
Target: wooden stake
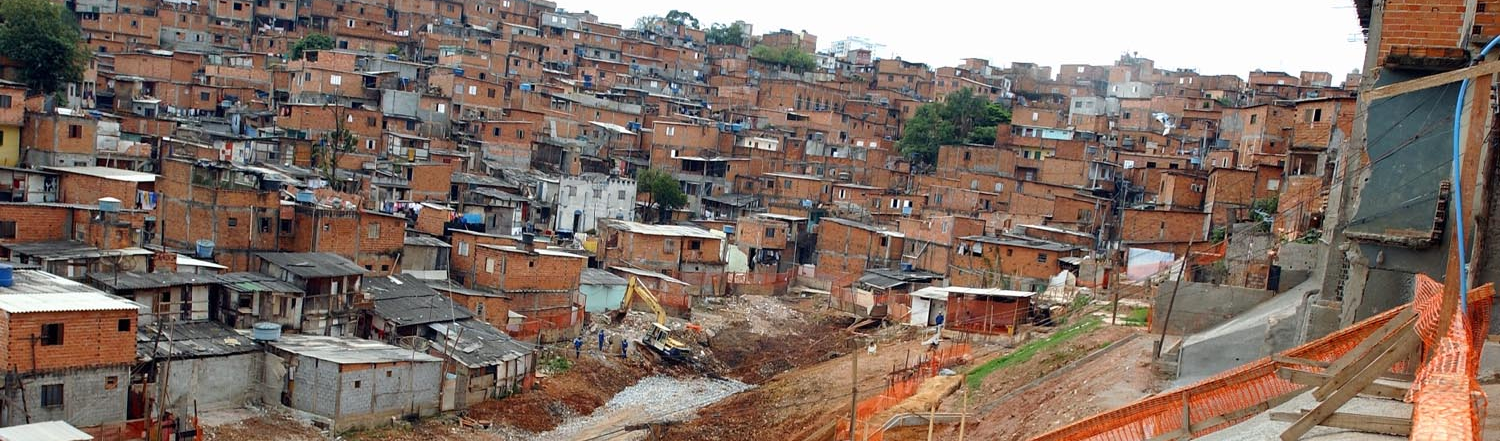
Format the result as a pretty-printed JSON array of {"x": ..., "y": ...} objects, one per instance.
[
  {"x": 931, "y": 420},
  {"x": 854, "y": 391},
  {"x": 1405, "y": 343},
  {"x": 963, "y": 412}
]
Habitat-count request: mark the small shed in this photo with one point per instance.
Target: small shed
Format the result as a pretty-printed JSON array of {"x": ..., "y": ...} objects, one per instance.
[
  {"x": 602, "y": 290},
  {"x": 353, "y": 383},
  {"x": 200, "y": 352},
  {"x": 926, "y": 304},
  {"x": 987, "y": 310},
  {"x": 487, "y": 363}
]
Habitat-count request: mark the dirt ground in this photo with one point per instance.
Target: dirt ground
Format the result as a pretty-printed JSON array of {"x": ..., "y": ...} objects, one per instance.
[
  {"x": 1115, "y": 378},
  {"x": 263, "y": 427},
  {"x": 588, "y": 384},
  {"x": 803, "y": 403}
]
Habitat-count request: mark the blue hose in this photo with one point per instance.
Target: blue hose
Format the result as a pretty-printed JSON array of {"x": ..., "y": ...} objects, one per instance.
[{"x": 1458, "y": 189}]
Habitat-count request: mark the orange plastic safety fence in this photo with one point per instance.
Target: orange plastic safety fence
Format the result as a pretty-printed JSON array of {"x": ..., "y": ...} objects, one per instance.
[
  {"x": 902, "y": 388},
  {"x": 1446, "y": 395},
  {"x": 1256, "y": 382}
]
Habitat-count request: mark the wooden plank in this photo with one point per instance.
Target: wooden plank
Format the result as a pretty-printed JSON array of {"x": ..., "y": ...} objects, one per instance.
[
  {"x": 1364, "y": 346},
  {"x": 1435, "y": 80},
  {"x": 1353, "y": 421},
  {"x": 1306, "y": 378},
  {"x": 1386, "y": 342},
  {"x": 1299, "y": 361},
  {"x": 1248, "y": 411},
  {"x": 1405, "y": 343}
]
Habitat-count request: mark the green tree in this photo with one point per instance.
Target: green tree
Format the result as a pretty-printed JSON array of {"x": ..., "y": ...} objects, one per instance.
[
  {"x": 960, "y": 117},
  {"x": 730, "y": 34},
  {"x": 663, "y": 190},
  {"x": 44, "y": 40},
  {"x": 680, "y": 18},
  {"x": 647, "y": 22},
  {"x": 312, "y": 42},
  {"x": 786, "y": 56},
  {"x": 327, "y": 152}
]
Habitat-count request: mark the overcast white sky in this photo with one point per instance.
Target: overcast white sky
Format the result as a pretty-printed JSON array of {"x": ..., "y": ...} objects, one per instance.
[{"x": 1213, "y": 36}]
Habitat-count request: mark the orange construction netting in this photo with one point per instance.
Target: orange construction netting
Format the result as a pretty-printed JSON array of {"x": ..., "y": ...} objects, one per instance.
[
  {"x": 903, "y": 385},
  {"x": 1445, "y": 392}
]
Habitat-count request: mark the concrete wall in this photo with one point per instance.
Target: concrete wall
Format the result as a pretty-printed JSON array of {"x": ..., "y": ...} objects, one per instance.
[
  {"x": 600, "y": 298},
  {"x": 87, "y": 400},
  {"x": 1200, "y": 306},
  {"x": 1269, "y": 327},
  {"x": 368, "y": 394},
  {"x": 214, "y": 382},
  {"x": 314, "y": 386}
]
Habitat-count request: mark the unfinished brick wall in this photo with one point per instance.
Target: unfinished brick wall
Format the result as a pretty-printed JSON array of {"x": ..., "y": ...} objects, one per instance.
[
  {"x": 512, "y": 270},
  {"x": 1422, "y": 28},
  {"x": 850, "y": 249},
  {"x": 232, "y": 218},
  {"x": 36, "y": 223},
  {"x": 82, "y": 189},
  {"x": 1161, "y": 226},
  {"x": 89, "y": 338}
]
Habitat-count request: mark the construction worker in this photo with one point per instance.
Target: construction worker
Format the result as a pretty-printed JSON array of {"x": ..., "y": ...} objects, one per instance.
[
  {"x": 624, "y": 345},
  {"x": 577, "y": 347},
  {"x": 601, "y": 341}
]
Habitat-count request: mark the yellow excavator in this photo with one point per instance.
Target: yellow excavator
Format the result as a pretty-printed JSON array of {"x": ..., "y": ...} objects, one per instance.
[{"x": 659, "y": 336}]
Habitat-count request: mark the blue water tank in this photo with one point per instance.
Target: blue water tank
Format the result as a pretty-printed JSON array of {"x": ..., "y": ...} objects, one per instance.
[
  {"x": 305, "y": 196},
  {"x": 265, "y": 331},
  {"x": 473, "y": 218},
  {"x": 7, "y": 275},
  {"x": 458, "y": 72},
  {"x": 525, "y": 87},
  {"x": 205, "y": 248},
  {"x": 907, "y": 267},
  {"x": 109, "y": 205}
]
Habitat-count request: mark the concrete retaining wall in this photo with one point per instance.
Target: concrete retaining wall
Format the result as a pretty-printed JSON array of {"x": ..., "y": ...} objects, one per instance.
[{"x": 1200, "y": 306}]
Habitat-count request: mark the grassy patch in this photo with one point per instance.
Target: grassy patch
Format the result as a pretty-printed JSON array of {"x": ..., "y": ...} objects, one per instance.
[
  {"x": 1025, "y": 352},
  {"x": 1137, "y": 316},
  {"x": 556, "y": 365}
]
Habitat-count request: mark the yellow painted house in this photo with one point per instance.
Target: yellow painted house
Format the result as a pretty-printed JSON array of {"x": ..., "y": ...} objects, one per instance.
[{"x": 12, "y": 117}]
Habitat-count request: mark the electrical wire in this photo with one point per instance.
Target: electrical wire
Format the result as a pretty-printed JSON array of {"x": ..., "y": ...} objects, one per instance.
[{"x": 1458, "y": 192}]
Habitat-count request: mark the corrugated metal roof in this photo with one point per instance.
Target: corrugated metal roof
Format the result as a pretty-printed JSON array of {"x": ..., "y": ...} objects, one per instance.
[
  {"x": 313, "y": 265},
  {"x": 256, "y": 282},
  {"x": 645, "y": 273},
  {"x": 133, "y": 280},
  {"x": 418, "y": 240},
  {"x": 595, "y": 276},
  {"x": 42, "y": 282},
  {"x": 65, "y": 302},
  {"x": 406, "y": 300},
  {"x": 347, "y": 350},
  {"x": 107, "y": 173},
  {"x": 478, "y": 344},
  {"x": 663, "y": 230},
  {"x": 191, "y": 339},
  {"x": 44, "y": 431}
]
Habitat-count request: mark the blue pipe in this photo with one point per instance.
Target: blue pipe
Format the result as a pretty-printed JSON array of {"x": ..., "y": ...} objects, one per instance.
[{"x": 1458, "y": 191}]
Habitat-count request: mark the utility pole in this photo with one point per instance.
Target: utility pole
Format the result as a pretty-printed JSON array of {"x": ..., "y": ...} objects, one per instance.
[{"x": 1187, "y": 253}]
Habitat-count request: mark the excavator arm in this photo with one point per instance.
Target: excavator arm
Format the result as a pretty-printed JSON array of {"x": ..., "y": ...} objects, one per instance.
[{"x": 637, "y": 289}]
